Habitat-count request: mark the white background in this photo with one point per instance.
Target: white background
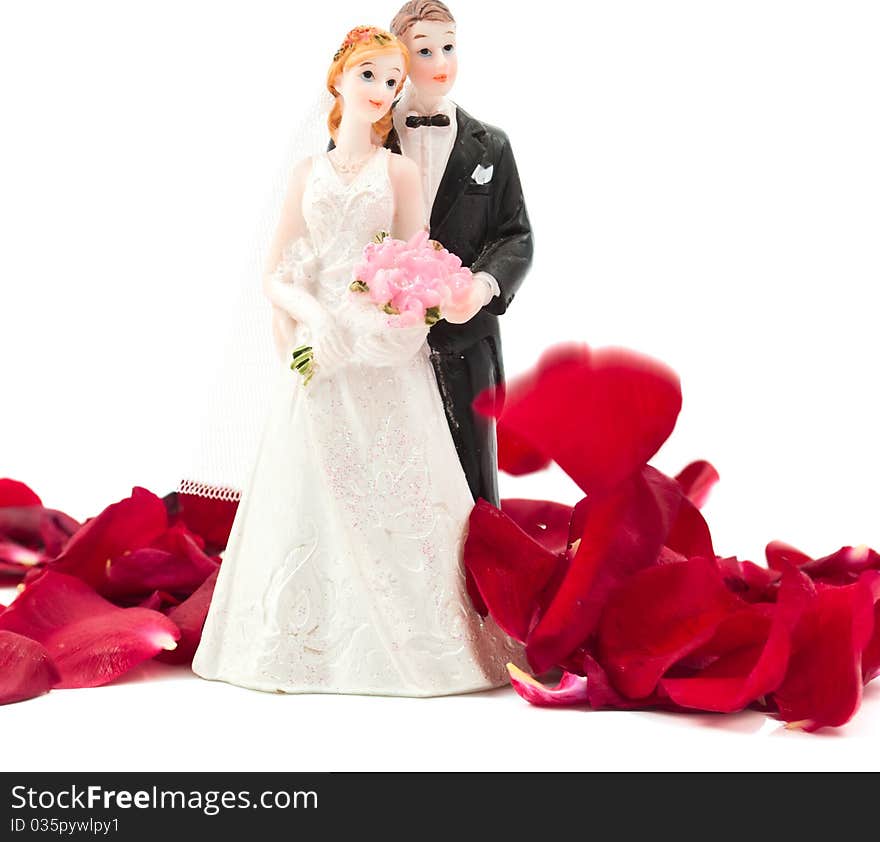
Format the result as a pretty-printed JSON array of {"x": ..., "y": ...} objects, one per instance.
[{"x": 703, "y": 183}]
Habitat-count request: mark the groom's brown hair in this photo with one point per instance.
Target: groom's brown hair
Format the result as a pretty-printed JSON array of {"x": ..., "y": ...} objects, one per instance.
[{"x": 418, "y": 10}]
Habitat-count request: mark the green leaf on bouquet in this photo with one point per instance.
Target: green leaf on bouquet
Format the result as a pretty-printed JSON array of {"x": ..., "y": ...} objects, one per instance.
[
  {"x": 359, "y": 286},
  {"x": 432, "y": 315}
]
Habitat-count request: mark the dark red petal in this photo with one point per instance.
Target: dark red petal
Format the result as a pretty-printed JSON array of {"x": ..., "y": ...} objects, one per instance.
[
  {"x": 601, "y": 415},
  {"x": 207, "y": 517},
  {"x": 570, "y": 690},
  {"x": 26, "y": 670},
  {"x": 657, "y": 617},
  {"x": 545, "y": 522},
  {"x": 14, "y": 493},
  {"x": 37, "y": 528},
  {"x": 90, "y": 640},
  {"x": 823, "y": 683},
  {"x": 623, "y": 533},
  {"x": 748, "y": 580},
  {"x": 189, "y": 617},
  {"x": 130, "y": 524},
  {"x": 16, "y": 560},
  {"x": 510, "y": 569},
  {"x": 696, "y": 480}
]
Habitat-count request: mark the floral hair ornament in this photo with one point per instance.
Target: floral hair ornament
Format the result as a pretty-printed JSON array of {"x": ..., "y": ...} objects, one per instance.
[{"x": 361, "y": 35}]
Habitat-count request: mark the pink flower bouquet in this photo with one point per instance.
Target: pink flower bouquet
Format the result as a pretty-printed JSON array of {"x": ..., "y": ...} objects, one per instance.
[{"x": 415, "y": 281}]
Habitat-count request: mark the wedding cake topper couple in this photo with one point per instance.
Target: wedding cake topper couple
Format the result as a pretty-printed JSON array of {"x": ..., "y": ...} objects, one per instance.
[
  {"x": 474, "y": 206},
  {"x": 343, "y": 572}
]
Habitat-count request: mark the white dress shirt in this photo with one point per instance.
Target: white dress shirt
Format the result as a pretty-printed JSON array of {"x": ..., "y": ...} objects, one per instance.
[{"x": 430, "y": 147}]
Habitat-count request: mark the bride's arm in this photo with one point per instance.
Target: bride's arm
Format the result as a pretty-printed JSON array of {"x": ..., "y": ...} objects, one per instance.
[
  {"x": 409, "y": 209},
  {"x": 297, "y": 303}
]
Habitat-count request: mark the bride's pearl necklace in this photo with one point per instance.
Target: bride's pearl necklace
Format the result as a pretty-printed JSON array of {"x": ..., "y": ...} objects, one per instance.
[{"x": 346, "y": 165}]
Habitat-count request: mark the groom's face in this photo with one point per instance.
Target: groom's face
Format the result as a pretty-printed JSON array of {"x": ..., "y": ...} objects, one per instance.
[{"x": 433, "y": 59}]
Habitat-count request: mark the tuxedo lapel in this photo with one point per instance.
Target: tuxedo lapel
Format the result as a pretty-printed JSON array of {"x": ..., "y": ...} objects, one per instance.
[{"x": 468, "y": 150}]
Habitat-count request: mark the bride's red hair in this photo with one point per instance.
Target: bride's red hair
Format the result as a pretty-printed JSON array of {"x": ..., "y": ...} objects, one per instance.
[{"x": 360, "y": 43}]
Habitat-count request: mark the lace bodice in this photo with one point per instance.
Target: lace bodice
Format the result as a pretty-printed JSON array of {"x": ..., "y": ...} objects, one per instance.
[{"x": 342, "y": 218}]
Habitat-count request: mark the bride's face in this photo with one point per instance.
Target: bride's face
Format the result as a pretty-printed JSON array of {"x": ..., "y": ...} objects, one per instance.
[{"x": 368, "y": 87}]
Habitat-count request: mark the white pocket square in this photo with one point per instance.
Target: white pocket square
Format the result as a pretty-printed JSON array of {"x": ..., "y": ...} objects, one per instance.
[{"x": 481, "y": 174}]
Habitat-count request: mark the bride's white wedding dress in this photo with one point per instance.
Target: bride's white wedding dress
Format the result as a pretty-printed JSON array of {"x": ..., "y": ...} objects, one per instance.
[{"x": 343, "y": 572}]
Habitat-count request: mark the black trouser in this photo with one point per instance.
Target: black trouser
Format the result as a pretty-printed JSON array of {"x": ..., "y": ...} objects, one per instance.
[{"x": 461, "y": 377}]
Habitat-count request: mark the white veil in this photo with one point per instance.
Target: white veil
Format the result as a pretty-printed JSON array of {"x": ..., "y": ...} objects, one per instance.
[{"x": 235, "y": 406}]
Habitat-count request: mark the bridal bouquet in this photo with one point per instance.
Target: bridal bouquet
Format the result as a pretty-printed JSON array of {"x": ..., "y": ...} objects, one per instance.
[{"x": 416, "y": 281}]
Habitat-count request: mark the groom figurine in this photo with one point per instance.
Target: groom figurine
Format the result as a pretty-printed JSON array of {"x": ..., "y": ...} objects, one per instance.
[{"x": 476, "y": 210}]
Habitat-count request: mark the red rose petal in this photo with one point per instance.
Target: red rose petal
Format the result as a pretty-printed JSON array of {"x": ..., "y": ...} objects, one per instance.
[
  {"x": 545, "y": 522},
  {"x": 780, "y": 554},
  {"x": 130, "y": 524},
  {"x": 657, "y": 617},
  {"x": 517, "y": 457},
  {"x": 823, "y": 683},
  {"x": 689, "y": 535},
  {"x": 26, "y": 669},
  {"x": 697, "y": 480},
  {"x": 14, "y": 493},
  {"x": 571, "y": 689},
  {"x": 623, "y": 532},
  {"x": 844, "y": 566},
  {"x": 189, "y": 617},
  {"x": 207, "y": 517},
  {"x": 90, "y": 640},
  {"x": 510, "y": 569},
  {"x": 160, "y": 601},
  {"x": 601, "y": 694},
  {"x": 16, "y": 560},
  {"x": 748, "y": 655},
  {"x": 599, "y": 414},
  {"x": 839, "y": 568},
  {"x": 748, "y": 580},
  {"x": 137, "y": 573},
  {"x": 37, "y": 528}
]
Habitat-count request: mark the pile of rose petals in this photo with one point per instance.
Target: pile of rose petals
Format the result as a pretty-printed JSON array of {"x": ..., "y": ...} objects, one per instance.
[
  {"x": 624, "y": 592},
  {"x": 97, "y": 599}
]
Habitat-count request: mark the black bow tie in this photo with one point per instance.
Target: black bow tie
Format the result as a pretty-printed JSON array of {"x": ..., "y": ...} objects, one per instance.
[{"x": 414, "y": 120}]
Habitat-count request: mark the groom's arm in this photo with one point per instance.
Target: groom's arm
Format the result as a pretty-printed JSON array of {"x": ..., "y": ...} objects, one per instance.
[{"x": 507, "y": 253}]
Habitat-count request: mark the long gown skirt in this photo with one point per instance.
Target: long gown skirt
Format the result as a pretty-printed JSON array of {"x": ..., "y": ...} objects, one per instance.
[{"x": 343, "y": 572}]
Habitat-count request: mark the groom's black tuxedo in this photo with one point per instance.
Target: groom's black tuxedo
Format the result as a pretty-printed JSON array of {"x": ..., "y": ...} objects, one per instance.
[{"x": 487, "y": 226}]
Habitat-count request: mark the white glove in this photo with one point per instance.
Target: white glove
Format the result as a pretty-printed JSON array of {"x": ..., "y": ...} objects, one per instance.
[
  {"x": 391, "y": 346},
  {"x": 331, "y": 347}
]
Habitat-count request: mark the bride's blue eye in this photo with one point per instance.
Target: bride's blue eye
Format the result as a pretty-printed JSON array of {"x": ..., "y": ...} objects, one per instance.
[
  {"x": 368, "y": 75},
  {"x": 424, "y": 52},
  {"x": 449, "y": 48}
]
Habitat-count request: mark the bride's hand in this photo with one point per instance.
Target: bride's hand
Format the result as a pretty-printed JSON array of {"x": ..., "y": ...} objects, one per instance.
[
  {"x": 391, "y": 346},
  {"x": 331, "y": 346}
]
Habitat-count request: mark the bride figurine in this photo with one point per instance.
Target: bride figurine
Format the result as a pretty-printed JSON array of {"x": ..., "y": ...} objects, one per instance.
[{"x": 343, "y": 572}]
